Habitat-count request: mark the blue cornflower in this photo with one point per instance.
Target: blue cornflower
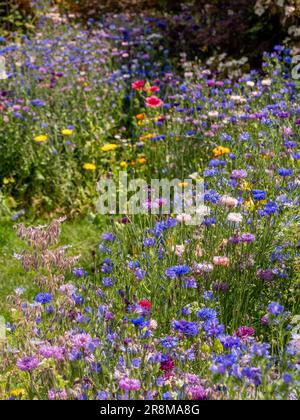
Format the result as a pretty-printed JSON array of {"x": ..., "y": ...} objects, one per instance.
[
  {"x": 133, "y": 264},
  {"x": 177, "y": 271},
  {"x": 207, "y": 314},
  {"x": 108, "y": 237},
  {"x": 139, "y": 322},
  {"x": 259, "y": 195},
  {"x": 136, "y": 363},
  {"x": 285, "y": 172},
  {"x": 169, "y": 342},
  {"x": 149, "y": 242},
  {"x": 213, "y": 328},
  {"x": 102, "y": 395},
  {"x": 275, "y": 308},
  {"x": 271, "y": 207},
  {"x": 43, "y": 298},
  {"x": 107, "y": 281},
  {"x": 188, "y": 328},
  {"x": 253, "y": 374},
  {"x": 139, "y": 273},
  {"x": 79, "y": 272},
  {"x": 37, "y": 102},
  {"x": 287, "y": 378}
]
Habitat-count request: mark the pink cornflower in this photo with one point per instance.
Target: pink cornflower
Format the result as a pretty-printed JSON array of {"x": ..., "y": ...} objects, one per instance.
[{"x": 221, "y": 261}]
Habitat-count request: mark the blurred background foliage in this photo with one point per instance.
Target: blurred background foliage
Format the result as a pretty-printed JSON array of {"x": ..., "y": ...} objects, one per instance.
[{"x": 200, "y": 28}]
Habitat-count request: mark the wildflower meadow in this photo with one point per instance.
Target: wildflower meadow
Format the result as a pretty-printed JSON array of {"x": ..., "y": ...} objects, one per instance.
[{"x": 149, "y": 212}]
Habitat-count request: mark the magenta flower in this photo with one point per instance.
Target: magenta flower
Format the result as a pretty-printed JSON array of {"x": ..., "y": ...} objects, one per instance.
[
  {"x": 245, "y": 332},
  {"x": 154, "y": 102}
]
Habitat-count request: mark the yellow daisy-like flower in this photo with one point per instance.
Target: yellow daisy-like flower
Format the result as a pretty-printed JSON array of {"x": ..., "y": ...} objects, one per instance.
[
  {"x": 18, "y": 392},
  {"x": 41, "y": 138},
  {"x": 147, "y": 136},
  {"x": 110, "y": 147},
  {"x": 123, "y": 164},
  {"x": 220, "y": 150},
  {"x": 89, "y": 167},
  {"x": 67, "y": 132}
]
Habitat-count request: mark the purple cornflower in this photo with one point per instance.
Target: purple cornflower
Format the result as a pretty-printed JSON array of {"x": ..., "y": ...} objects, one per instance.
[
  {"x": 197, "y": 393},
  {"x": 266, "y": 275},
  {"x": 56, "y": 352},
  {"x": 27, "y": 363},
  {"x": 79, "y": 272},
  {"x": 108, "y": 237},
  {"x": 129, "y": 384},
  {"x": 238, "y": 174},
  {"x": 247, "y": 237}
]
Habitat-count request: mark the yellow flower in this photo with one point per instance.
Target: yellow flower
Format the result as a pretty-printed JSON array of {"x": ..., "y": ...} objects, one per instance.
[
  {"x": 66, "y": 132},
  {"x": 249, "y": 204},
  {"x": 246, "y": 186},
  {"x": 110, "y": 147},
  {"x": 89, "y": 166},
  {"x": 123, "y": 164},
  {"x": 147, "y": 136},
  {"x": 18, "y": 392},
  {"x": 41, "y": 138},
  {"x": 220, "y": 150}
]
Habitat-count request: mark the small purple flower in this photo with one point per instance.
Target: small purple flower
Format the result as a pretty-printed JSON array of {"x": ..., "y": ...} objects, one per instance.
[
  {"x": 275, "y": 308},
  {"x": 266, "y": 275},
  {"x": 108, "y": 237},
  {"x": 129, "y": 384},
  {"x": 27, "y": 363},
  {"x": 238, "y": 174},
  {"x": 197, "y": 393},
  {"x": 107, "y": 282},
  {"x": 79, "y": 272}
]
